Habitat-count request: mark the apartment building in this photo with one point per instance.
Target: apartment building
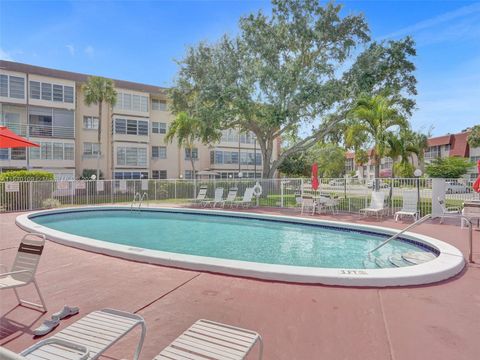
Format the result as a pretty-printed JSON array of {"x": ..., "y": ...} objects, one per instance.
[
  {"x": 47, "y": 106},
  {"x": 438, "y": 147}
]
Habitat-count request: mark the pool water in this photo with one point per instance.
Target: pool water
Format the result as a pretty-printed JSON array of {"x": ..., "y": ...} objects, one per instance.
[{"x": 229, "y": 237}]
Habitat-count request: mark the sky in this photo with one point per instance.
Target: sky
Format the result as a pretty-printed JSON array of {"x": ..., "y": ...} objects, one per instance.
[{"x": 140, "y": 40}]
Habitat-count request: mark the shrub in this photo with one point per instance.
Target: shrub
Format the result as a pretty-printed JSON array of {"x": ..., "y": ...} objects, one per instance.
[
  {"x": 26, "y": 175},
  {"x": 404, "y": 170},
  {"x": 448, "y": 168},
  {"x": 51, "y": 203},
  {"x": 87, "y": 174}
]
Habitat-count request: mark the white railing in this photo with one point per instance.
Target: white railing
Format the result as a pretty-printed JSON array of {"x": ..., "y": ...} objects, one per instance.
[{"x": 350, "y": 194}]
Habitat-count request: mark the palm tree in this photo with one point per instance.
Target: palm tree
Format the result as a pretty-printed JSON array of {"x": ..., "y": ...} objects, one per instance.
[
  {"x": 96, "y": 91},
  {"x": 375, "y": 116},
  {"x": 420, "y": 142},
  {"x": 187, "y": 129}
]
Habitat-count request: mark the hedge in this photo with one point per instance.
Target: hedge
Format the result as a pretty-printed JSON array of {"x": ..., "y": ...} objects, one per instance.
[{"x": 26, "y": 175}]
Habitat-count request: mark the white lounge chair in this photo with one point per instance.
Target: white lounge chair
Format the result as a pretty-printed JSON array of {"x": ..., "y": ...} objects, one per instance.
[
  {"x": 308, "y": 203},
  {"x": 409, "y": 206},
  {"x": 202, "y": 194},
  {"x": 231, "y": 196},
  {"x": 246, "y": 200},
  {"x": 89, "y": 337},
  {"x": 24, "y": 268},
  {"x": 328, "y": 203},
  {"x": 210, "y": 340},
  {"x": 377, "y": 204},
  {"x": 217, "y": 199},
  {"x": 448, "y": 211}
]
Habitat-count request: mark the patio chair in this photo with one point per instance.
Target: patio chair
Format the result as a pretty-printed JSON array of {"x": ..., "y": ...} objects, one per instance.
[
  {"x": 409, "y": 205},
  {"x": 24, "y": 268},
  {"x": 217, "y": 199},
  {"x": 212, "y": 341},
  {"x": 89, "y": 337},
  {"x": 448, "y": 211},
  {"x": 308, "y": 203},
  {"x": 377, "y": 205},
  {"x": 231, "y": 196},
  {"x": 327, "y": 202},
  {"x": 246, "y": 200},
  {"x": 202, "y": 194}
]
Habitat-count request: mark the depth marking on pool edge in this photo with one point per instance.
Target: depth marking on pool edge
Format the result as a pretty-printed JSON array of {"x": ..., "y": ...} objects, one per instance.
[{"x": 353, "y": 272}]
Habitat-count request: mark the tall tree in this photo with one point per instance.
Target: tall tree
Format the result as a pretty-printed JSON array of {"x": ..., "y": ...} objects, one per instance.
[
  {"x": 401, "y": 146},
  {"x": 287, "y": 72},
  {"x": 99, "y": 90},
  {"x": 187, "y": 130},
  {"x": 375, "y": 116}
]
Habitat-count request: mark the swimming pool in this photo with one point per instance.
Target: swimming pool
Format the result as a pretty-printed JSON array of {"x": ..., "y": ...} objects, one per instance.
[{"x": 246, "y": 244}]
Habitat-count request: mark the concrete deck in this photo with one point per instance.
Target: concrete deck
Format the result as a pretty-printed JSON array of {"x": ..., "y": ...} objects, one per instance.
[{"x": 440, "y": 321}]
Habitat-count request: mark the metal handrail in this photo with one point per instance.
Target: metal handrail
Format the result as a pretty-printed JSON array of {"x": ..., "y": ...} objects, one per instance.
[
  {"x": 429, "y": 216},
  {"x": 418, "y": 222},
  {"x": 137, "y": 195},
  {"x": 144, "y": 196}
]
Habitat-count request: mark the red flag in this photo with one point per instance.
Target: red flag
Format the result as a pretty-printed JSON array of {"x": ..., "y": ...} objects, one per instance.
[
  {"x": 314, "y": 176},
  {"x": 476, "y": 184}
]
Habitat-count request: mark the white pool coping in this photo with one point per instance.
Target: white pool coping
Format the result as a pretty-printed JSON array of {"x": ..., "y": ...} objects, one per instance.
[{"x": 448, "y": 264}]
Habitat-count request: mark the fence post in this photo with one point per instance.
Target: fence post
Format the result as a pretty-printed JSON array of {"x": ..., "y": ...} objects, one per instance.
[
  {"x": 155, "y": 183},
  {"x": 301, "y": 186},
  {"x": 281, "y": 193},
  {"x": 30, "y": 193},
  {"x": 175, "y": 188}
]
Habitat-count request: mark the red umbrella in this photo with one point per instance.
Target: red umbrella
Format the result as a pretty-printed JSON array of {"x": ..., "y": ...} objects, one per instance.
[
  {"x": 476, "y": 184},
  {"x": 8, "y": 139},
  {"x": 315, "y": 176}
]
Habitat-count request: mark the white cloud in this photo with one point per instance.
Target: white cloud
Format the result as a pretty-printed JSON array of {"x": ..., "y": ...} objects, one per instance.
[
  {"x": 5, "y": 55},
  {"x": 71, "y": 49},
  {"x": 89, "y": 51},
  {"x": 462, "y": 12}
]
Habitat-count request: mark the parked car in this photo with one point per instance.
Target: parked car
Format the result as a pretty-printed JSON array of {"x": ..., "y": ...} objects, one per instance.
[
  {"x": 337, "y": 182},
  {"x": 381, "y": 184},
  {"x": 455, "y": 187}
]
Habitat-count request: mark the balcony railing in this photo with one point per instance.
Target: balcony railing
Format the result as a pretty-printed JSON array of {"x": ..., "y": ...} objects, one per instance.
[{"x": 44, "y": 131}]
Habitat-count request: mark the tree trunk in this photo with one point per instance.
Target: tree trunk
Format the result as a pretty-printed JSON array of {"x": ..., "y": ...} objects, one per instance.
[{"x": 99, "y": 138}]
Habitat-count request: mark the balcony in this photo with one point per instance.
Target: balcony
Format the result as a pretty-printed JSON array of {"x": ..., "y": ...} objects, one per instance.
[{"x": 42, "y": 131}]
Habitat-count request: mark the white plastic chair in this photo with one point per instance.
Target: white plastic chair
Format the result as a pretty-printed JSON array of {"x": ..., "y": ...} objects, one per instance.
[
  {"x": 24, "y": 268},
  {"x": 308, "y": 203},
  {"x": 217, "y": 198},
  {"x": 202, "y": 194},
  {"x": 246, "y": 200},
  {"x": 377, "y": 204},
  {"x": 231, "y": 196},
  {"x": 89, "y": 337},
  {"x": 446, "y": 211},
  {"x": 409, "y": 206}
]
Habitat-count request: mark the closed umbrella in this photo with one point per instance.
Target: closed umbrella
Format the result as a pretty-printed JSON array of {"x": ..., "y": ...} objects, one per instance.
[
  {"x": 476, "y": 184},
  {"x": 315, "y": 176},
  {"x": 8, "y": 139}
]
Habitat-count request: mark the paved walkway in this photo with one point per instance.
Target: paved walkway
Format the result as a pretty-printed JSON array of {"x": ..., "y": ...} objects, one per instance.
[{"x": 440, "y": 321}]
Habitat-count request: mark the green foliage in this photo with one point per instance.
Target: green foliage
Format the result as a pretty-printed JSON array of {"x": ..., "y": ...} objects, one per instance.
[
  {"x": 448, "y": 168},
  {"x": 403, "y": 170},
  {"x": 474, "y": 137},
  {"x": 331, "y": 160},
  {"x": 361, "y": 157},
  {"x": 26, "y": 175},
  {"x": 87, "y": 174},
  {"x": 281, "y": 74},
  {"x": 295, "y": 165}
]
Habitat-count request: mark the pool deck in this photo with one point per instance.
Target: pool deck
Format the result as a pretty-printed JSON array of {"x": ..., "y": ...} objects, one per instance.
[{"x": 440, "y": 321}]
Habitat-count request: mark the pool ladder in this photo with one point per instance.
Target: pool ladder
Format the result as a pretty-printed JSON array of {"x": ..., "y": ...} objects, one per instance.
[{"x": 139, "y": 199}]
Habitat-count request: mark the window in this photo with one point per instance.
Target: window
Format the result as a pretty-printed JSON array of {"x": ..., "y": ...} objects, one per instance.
[
  {"x": 91, "y": 149},
  {"x": 68, "y": 94},
  {"x": 131, "y": 156},
  {"x": 131, "y": 102},
  {"x": 159, "y": 105},
  {"x": 159, "y": 152},
  {"x": 130, "y": 175},
  {"x": 188, "y": 174},
  {"x": 17, "y": 87},
  {"x": 194, "y": 153},
  {"x": 159, "y": 127},
  {"x": 4, "y": 88},
  {"x": 46, "y": 91},
  {"x": 35, "y": 89},
  {"x": 90, "y": 122},
  {"x": 3, "y": 153},
  {"x": 53, "y": 151},
  {"x": 57, "y": 93},
  {"x": 159, "y": 174},
  {"x": 18, "y": 154},
  {"x": 68, "y": 151},
  {"x": 131, "y": 127},
  {"x": 231, "y": 157}
]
